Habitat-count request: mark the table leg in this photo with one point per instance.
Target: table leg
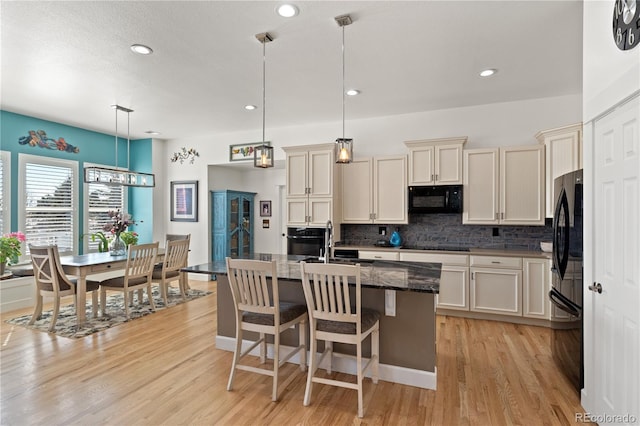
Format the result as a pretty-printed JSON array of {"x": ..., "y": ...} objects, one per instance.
[{"x": 81, "y": 304}]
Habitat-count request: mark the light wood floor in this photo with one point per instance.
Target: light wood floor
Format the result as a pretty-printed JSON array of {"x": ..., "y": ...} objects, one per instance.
[{"x": 164, "y": 369}]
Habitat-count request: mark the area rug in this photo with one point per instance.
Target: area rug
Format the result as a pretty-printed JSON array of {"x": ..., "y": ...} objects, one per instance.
[{"x": 66, "y": 326}]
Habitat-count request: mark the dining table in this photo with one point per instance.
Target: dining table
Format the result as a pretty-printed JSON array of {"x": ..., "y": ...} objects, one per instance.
[{"x": 80, "y": 266}]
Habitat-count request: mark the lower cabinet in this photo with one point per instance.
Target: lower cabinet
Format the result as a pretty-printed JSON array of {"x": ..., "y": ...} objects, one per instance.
[
  {"x": 379, "y": 255},
  {"x": 535, "y": 288},
  {"x": 496, "y": 285}
]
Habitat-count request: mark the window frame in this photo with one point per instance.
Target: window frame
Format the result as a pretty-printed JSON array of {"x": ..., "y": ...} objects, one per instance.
[
  {"x": 85, "y": 220},
  {"x": 23, "y": 159},
  {"x": 5, "y": 157}
]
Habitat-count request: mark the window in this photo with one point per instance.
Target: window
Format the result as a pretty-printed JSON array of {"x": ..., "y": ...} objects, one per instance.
[
  {"x": 99, "y": 199},
  {"x": 5, "y": 192},
  {"x": 48, "y": 201}
]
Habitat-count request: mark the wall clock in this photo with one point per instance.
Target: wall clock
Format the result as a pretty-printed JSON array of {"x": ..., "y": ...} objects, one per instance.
[{"x": 626, "y": 24}]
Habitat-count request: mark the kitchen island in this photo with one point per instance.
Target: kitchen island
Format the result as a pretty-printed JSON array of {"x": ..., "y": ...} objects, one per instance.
[{"x": 403, "y": 292}]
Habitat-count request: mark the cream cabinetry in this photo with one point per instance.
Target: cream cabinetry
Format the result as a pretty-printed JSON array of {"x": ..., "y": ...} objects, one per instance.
[
  {"x": 374, "y": 190},
  {"x": 504, "y": 186},
  {"x": 496, "y": 285},
  {"x": 436, "y": 161},
  {"x": 378, "y": 255},
  {"x": 454, "y": 278},
  {"x": 563, "y": 154},
  {"x": 535, "y": 288},
  {"x": 312, "y": 185}
]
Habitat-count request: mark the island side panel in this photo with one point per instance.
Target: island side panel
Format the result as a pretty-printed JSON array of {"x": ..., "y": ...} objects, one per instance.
[{"x": 406, "y": 340}]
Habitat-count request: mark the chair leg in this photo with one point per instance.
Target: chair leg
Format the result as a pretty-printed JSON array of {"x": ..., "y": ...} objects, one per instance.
[
  {"x": 276, "y": 365},
  {"x": 37, "y": 311},
  {"x": 359, "y": 371},
  {"x": 329, "y": 349},
  {"x": 183, "y": 285},
  {"x": 150, "y": 294},
  {"x": 126, "y": 303},
  {"x": 312, "y": 369},
  {"x": 56, "y": 309},
  {"x": 236, "y": 357},
  {"x": 375, "y": 352},
  {"x": 94, "y": 303},
  {"x": 164, "y": 289},
  {"x": 263, "y": 349},
  {"x": 302, "y": 343}
]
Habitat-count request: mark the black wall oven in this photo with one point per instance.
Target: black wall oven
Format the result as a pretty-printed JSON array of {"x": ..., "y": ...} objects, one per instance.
[
  {"x": 305, "y": 241},
  {"x": 567, "y": 281}
]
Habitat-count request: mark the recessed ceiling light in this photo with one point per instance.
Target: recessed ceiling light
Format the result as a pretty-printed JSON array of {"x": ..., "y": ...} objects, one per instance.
[
  {"x": 141, "y": 49},
  {"x": 352, "y": 92},
  {"x": 287, "y": 10},
  {"x": 152, "y": 132},
  {"x": 250, "y": 107},
  {"x": 488, "y": 72}
]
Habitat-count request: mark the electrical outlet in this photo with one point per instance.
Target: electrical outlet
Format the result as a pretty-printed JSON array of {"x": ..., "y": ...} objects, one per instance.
[
  {"x": 382, "y": 230},
  {"x": 496, "y": 232}
]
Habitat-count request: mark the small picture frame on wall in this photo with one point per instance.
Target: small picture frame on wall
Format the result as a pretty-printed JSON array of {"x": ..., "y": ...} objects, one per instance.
[
  {"x": 184, "y": 201},
  {"x": 265, "y": 223},
  {"x": 265, "y": 208}
]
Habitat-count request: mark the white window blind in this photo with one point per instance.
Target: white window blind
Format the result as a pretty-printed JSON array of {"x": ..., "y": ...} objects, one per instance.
[
  {"x": 101, "y": 199},
  {"x": 49, "y": 210}
]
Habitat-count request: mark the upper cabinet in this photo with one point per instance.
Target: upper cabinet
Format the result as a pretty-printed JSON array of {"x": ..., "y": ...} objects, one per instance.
[
  {"x": 374, "y": 190},
  {"x": 436, "y": 161},
  {"x": 563, "y": 148},
  {"x": 504, "y": 186},
  {"x": 312, "y": 184}
]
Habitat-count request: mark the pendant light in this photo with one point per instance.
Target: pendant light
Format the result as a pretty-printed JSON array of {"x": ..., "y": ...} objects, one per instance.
[
  {"x": 263, "y": 154},
  {"x": 116, "y": 175},
  {"x": 344, "y": 146}
]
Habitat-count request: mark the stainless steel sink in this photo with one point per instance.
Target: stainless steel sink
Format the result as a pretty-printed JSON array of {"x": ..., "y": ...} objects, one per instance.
[{"x": 338, "y": 260}]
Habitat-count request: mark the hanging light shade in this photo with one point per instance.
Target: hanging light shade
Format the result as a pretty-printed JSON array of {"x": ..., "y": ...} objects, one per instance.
[
  {"x": 344, "y": 146},
  {"x": 116, "y": 175},
  {"x": 263, "y": 154}
]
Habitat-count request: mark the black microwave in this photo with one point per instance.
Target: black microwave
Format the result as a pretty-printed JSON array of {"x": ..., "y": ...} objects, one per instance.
[{"x": 435, "y": 199}]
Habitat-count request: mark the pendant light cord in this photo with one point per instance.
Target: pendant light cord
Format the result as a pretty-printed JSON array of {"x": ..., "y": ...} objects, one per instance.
[
  {"x": 343, "y": 100},
  {"x": 264, "y": 68}
]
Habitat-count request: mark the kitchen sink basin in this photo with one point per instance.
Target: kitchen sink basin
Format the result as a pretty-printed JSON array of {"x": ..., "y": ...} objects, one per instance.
[{"x": 337, "y": 260}]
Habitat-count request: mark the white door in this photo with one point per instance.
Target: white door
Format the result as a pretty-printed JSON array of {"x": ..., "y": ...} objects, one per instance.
[{"x": 616, "y": 264}]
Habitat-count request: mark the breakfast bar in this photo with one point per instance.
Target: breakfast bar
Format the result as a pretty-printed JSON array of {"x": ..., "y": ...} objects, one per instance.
[{"x": 403, "y": 292}]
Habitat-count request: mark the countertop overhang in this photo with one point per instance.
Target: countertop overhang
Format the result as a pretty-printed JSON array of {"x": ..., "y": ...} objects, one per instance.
[{"x": 422, "y": 277}]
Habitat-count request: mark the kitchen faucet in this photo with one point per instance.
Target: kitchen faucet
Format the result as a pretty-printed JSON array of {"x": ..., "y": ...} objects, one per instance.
[{"x": 328, "y": 242}]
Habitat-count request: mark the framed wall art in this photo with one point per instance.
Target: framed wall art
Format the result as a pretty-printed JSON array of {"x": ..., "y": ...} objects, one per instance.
[
  {"x": 184, "y": 201},
  {"x": 265, "y": 208},
  {"x": 243, "y": 152}
]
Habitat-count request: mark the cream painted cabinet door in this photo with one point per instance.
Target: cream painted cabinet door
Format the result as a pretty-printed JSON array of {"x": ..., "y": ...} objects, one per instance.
[
  {"x": 297, "y": 214},
  {"x": 522, "y": 185},
  {"x": 535, "y": 291},
  {"x": 320, "y": 176},
  {"x": 563, "y": 149},
  {"x": 421, "y": 167},
  {"x": 297, "y": 174},
  {"x": 390, "y": 190},
  {"x": 379, "y": 254},
  {"x": 320, "y": 211},
  {"x": 357, "y": 191},
  {"x": 454, "y": 288},
  {"x": 496, "y": 291},
  {"x": 480, "y": 192},
  {"x": 448, "y": 164}
]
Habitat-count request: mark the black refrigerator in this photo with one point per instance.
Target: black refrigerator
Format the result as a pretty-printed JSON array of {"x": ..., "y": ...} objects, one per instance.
[{"x": 567, "y": 283}]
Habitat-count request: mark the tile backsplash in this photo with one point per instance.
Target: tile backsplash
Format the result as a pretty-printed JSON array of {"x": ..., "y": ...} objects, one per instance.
[{"x": 447, "y": 230}]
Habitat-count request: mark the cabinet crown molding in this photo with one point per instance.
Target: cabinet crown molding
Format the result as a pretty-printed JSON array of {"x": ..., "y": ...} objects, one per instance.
[
  {"x": 439, "y": 141},
  {"x": 317, "y": 147},
  {"x": 557, "y": 131}
]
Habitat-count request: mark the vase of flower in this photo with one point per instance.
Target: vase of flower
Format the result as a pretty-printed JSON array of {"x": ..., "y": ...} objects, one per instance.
[{"x": 117, "y": 246}]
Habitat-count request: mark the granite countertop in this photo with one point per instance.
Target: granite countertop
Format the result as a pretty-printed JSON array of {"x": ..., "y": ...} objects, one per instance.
[
  {"x": 470, "y": 251},
  {"x": 422, "y": 277}
]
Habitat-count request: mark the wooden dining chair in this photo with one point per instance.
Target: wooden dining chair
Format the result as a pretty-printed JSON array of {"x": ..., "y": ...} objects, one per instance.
[
  {"x": 137, "y": 276},
  {"x": 51, "y": 281},
  {"x": 333, "y": 318},
  {"x": 175, "y": 258},
  {"x": 259, "y": 310}
]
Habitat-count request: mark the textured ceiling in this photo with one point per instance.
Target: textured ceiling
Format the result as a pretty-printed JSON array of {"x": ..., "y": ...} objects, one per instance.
[{"x": 69, "y": 61}]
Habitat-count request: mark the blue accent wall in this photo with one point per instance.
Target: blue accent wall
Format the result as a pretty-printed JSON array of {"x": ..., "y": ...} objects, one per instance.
[{"x": 94, "y": 147}]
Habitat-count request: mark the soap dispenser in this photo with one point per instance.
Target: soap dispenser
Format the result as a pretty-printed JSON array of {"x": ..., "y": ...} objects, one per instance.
[{"x": 395, "y": 239}]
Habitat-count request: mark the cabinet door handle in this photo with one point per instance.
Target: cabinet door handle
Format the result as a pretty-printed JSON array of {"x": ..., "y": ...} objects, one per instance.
[
  {"x": 495, "y": 261},
  {"x": 378, "y": 257},
  {"x": 473, "y": 275},
  {"x": 502, "y": 215},
  {"x": 436, "y": 177},
  {"x": 432, "y": 177},
  {"x": 496, "y": 215}
]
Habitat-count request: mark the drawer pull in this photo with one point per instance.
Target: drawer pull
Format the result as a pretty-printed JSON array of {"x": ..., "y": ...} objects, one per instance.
[
  {"x": 378, "y": 257},
  {"x": 495, "y": 262}
]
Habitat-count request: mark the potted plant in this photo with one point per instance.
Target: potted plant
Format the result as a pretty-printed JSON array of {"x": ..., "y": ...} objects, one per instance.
[{"x": 10, "y": 249}]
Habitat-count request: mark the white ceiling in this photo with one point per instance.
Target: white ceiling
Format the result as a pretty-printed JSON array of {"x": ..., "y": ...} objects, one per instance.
[{"x": 69, "y": 61}]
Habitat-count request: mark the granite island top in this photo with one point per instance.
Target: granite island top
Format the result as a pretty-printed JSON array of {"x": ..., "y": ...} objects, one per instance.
[{"x": 423, "y": 277}]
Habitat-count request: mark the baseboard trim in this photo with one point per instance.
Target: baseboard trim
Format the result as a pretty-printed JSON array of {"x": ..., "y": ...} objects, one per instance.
[{"x": 347, "y": 364}]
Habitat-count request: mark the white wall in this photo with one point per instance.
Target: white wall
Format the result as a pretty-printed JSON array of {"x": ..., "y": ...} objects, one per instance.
[{"x": 492, "y": 125}]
